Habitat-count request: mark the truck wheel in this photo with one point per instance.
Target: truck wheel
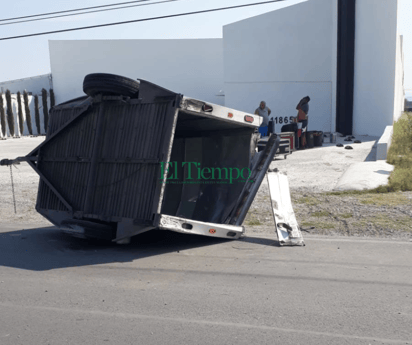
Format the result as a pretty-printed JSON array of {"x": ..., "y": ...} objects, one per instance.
[{"x": 110, "y": 84}]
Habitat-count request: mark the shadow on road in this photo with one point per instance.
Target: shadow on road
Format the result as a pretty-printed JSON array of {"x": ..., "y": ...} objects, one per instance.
[
  {"x": 383, "y": 172},
  {"x": 41, "y": 249},
  {"x": 262, "y": 241}
]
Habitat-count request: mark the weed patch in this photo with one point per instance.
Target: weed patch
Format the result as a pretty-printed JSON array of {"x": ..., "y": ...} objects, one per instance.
[
  {"x": 344, "y": 215},
  {"x": 320, "y": 214},
  {"x": 400, "y": 155},
  {"x": 382, "y": 221},
  {"x": 253, "y": 221},
  {"x": 318, "y": 225},
  {"x": 308, "y": 200},
  {"x": 387, "y": 199}
]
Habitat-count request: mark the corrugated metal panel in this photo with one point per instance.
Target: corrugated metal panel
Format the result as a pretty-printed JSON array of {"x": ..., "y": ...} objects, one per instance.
[
  {"x": 46, "y": 198},
  {"x": 129, "y": 144},
  {"x": 65, "y": 161},
  {"x": 128, "y": 168}
]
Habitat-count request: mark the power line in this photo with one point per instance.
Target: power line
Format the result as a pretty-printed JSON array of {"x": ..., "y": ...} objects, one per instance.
[
  {"x": 140, "y": 20},
  {"x": 76, "y": 14},
  {"x": 74, "y": 10}
]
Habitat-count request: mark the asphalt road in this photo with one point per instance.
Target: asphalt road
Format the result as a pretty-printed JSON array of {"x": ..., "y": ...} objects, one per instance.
[{"x": 167, "y": 288}]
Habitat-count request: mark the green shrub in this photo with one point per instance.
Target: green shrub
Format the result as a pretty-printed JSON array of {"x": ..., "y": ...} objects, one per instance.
[
  {"x": 400, "y": 155},
  {"x": 401, "y": 147}
]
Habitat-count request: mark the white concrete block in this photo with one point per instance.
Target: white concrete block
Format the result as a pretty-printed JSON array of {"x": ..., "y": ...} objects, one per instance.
[
  {"x": 365, "y": 175},
  {"x": 384, "y": 143}
]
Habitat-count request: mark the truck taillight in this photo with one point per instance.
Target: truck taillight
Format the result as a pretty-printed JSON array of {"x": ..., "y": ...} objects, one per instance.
[{"x": 249, "y": 118}]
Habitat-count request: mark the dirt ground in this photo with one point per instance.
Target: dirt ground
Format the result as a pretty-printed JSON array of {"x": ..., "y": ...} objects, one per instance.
[
  {"x": 313, "y": 174},
  {"x": 25, "y": 183},
  {"x": 317, "y": 209},
  {"x": 323, "y": 213}
]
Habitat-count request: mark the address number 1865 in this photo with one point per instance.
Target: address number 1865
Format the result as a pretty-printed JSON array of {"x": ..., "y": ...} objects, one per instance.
[{"x": 283, "y": 120}]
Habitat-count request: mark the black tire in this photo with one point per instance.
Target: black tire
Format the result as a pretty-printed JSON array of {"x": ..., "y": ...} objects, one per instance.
[{"x": 110, "y": 84}]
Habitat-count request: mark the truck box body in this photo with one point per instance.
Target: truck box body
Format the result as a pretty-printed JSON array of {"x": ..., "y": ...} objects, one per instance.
[{"x": 113, "y": 166}]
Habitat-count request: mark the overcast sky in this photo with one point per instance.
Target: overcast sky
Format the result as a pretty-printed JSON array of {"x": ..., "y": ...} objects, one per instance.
[{"x": 27, "y": 57}]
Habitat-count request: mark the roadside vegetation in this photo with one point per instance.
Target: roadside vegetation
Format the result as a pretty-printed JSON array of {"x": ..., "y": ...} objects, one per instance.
[
  {"x": 349, "y": 213},
  {"x": 355, "y": 213},
  {"x": 400, "y": 154},
  {"x": 382, "y": 211},
  {"x": 385, "y": 211}
]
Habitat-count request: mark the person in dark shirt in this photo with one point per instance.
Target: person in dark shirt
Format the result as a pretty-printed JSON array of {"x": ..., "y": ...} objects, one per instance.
[{"x": 303, "y": 110}]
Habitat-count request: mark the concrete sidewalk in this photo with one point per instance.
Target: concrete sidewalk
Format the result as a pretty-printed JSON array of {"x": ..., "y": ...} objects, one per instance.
[
  {"x": 365, "y": 175},
  {"x": 330, "y": 167}
]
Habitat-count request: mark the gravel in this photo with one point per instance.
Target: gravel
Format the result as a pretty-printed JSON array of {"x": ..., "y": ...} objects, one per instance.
[
  {"x": 313, "y": 174},
  {"x": 322, "y": 213},
  {"x": 25, "y": 184}
]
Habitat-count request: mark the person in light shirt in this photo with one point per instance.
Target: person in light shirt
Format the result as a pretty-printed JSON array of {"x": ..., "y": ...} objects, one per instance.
[{"x": 264, "y": 112}]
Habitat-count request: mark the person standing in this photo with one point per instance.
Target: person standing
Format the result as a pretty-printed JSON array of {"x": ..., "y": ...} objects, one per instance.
[
  {"x": 264, "y": 112},
  {"x": 303, "y": 110}
]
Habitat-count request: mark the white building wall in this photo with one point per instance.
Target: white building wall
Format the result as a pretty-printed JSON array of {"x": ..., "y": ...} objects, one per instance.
[
  {"x": 193, "y": 67},
  {"x": 31, "y": 84},
  {"x": 375, "y": 62},
  {"x": 399, "y": 80},
  {"x": 282, "y": 56}
]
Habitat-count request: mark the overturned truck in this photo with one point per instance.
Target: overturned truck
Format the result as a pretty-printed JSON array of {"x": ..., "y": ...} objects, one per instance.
[{"x": 132, "y": 156}]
